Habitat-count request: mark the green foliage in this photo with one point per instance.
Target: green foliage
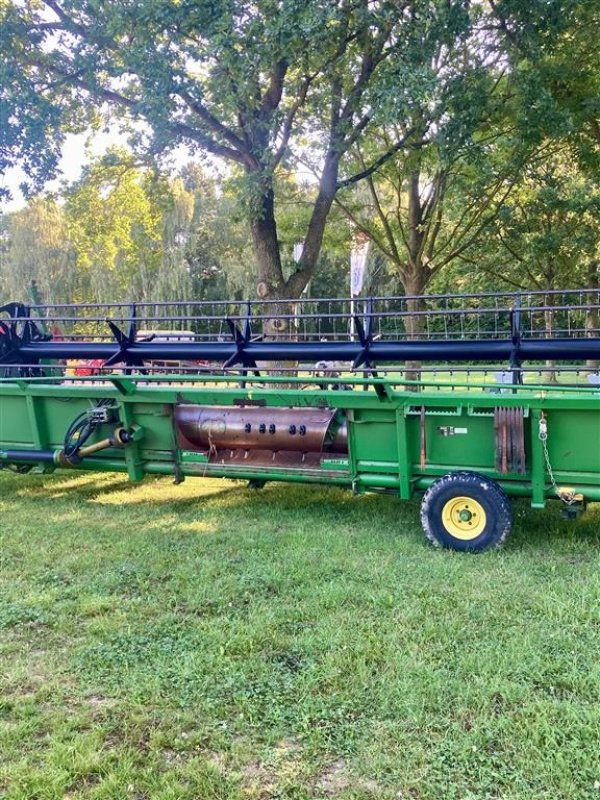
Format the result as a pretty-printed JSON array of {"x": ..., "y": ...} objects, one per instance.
[
  {"x": 125, "y": 231},
  {"x": 430, "y": 203},
  {"x": 545, "y": 236},
  {"x": 552, "y": 51},
  {"x": 37, "y": 248},
  {"x": 258, "y": 85},
  {"x": 115, "y": 231},
  {"x": 423, "y": 119}
]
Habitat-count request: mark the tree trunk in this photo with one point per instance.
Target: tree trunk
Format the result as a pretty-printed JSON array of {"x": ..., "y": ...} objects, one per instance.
[
  {"x": 414, "y": 284},
  {"x": 271, "y": 283},
  {"x": 414, "y": 279},
  {"x": 592, "y": 316},
  {"x": 550, "y": 374},
  {"x": 263, "y": 226},
  {"x": 316, "y": 226}
]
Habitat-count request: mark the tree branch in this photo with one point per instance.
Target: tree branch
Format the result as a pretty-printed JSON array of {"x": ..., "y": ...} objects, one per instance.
[
  {"x": 212, "y": 122},
  {"x": 272, "y": 96},
  {"x": 379, "y": 162},
  {"x": 286, "y": 129},
  {"x": 389, "y": 234},
  {"x": 368, "y": 232},
  {"x": 476, "y": 230},
  {"x": 116, "y": 98}
]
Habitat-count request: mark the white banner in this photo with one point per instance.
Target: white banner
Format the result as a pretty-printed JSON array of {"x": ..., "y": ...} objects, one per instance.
[
  {"x": 358, "y": 267},
  {"x": 298, "y": 248}
]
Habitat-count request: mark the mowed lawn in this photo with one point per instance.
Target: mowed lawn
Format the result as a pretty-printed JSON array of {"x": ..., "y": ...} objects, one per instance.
[{"x": 209, "y": 641}]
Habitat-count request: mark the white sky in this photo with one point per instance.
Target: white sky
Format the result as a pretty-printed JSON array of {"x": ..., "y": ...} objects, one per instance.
[{"x": 79, "y": 150}]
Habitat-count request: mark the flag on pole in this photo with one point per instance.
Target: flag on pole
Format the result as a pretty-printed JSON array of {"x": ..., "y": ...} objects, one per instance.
[{"x": 358, "y": 267}]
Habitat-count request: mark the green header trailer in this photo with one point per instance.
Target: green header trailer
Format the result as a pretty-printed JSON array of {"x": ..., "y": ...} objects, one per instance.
[{"x": 485, "y": 398}]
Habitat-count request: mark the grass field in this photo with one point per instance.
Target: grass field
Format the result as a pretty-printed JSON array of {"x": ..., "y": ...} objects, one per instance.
[{"x": 206, "y": 641}]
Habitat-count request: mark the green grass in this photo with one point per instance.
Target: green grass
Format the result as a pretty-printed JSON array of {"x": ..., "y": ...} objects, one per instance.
[{"x": 206, "y": 641}]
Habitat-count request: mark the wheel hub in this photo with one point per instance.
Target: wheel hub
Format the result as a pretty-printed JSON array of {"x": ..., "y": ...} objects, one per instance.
[{"x": 464, "y": 518}]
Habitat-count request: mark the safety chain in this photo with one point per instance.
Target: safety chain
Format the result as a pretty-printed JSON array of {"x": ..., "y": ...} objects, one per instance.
[{"x": 567, "y": 497}]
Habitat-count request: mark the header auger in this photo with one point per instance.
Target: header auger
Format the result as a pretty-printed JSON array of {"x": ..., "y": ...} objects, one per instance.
[{"x": 466, "y": 400}]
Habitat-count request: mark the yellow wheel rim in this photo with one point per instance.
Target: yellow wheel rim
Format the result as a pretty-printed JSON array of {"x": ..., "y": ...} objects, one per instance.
[{"x": 464, "y": 518}]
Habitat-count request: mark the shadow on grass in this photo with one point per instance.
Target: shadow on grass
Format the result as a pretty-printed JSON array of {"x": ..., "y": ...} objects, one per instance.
[
  {"x": 535, "y": 531},
  {"x": 288, "y": 502},
  {"x": 546, "y": 530},
  {"x": 44, "y": 486}
]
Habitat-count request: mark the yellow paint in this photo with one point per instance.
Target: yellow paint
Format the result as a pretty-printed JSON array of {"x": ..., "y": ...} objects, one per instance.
[{"x": 464, "y": 518}]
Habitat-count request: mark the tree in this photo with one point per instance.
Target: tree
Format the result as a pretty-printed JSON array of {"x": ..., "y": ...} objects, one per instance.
[
  {"x": 547, "y": 233},
  {"x": 178, "y": 204},
  {"x": 432, "y": 208},
  {"x": 428, "y": 206},
  {"x": 115, "y": 226},
  {"x": 552, "y": 48},
  {"x": 546, "y": 236},
  {"x": 37, "y": 248},
  {"x": 251, "y": 83}
]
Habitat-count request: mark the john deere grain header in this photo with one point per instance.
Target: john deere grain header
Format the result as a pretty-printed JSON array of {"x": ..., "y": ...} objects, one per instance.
[{"x": 465, "y": 400}]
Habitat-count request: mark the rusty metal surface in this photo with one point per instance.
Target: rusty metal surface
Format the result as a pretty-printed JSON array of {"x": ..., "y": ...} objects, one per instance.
[
  {"x": 250, "y": 428},
  {"x": 509, "y": 435},
  {"x": 239, "y": 462},
  {"x": 265, "y": 459}
]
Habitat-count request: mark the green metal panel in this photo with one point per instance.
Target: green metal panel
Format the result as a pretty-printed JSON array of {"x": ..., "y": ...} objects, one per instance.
[
  {"x": 405, "y": 471},
  {"x": 574, "y": 440},
  {"x": 374, "y": 437},
  {"x": 384, "y": 430},
  {"x": 469, "y": 445},
  {"x": 15, "y": 421}
]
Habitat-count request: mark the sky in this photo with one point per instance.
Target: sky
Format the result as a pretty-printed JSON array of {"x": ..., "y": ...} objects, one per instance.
[
  {"x": 80, "y": 149},
  {"x": 77, "y": 151}
]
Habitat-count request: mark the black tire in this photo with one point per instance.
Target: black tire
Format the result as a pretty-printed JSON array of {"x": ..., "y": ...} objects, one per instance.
[{"x": 466, "y": 511}]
